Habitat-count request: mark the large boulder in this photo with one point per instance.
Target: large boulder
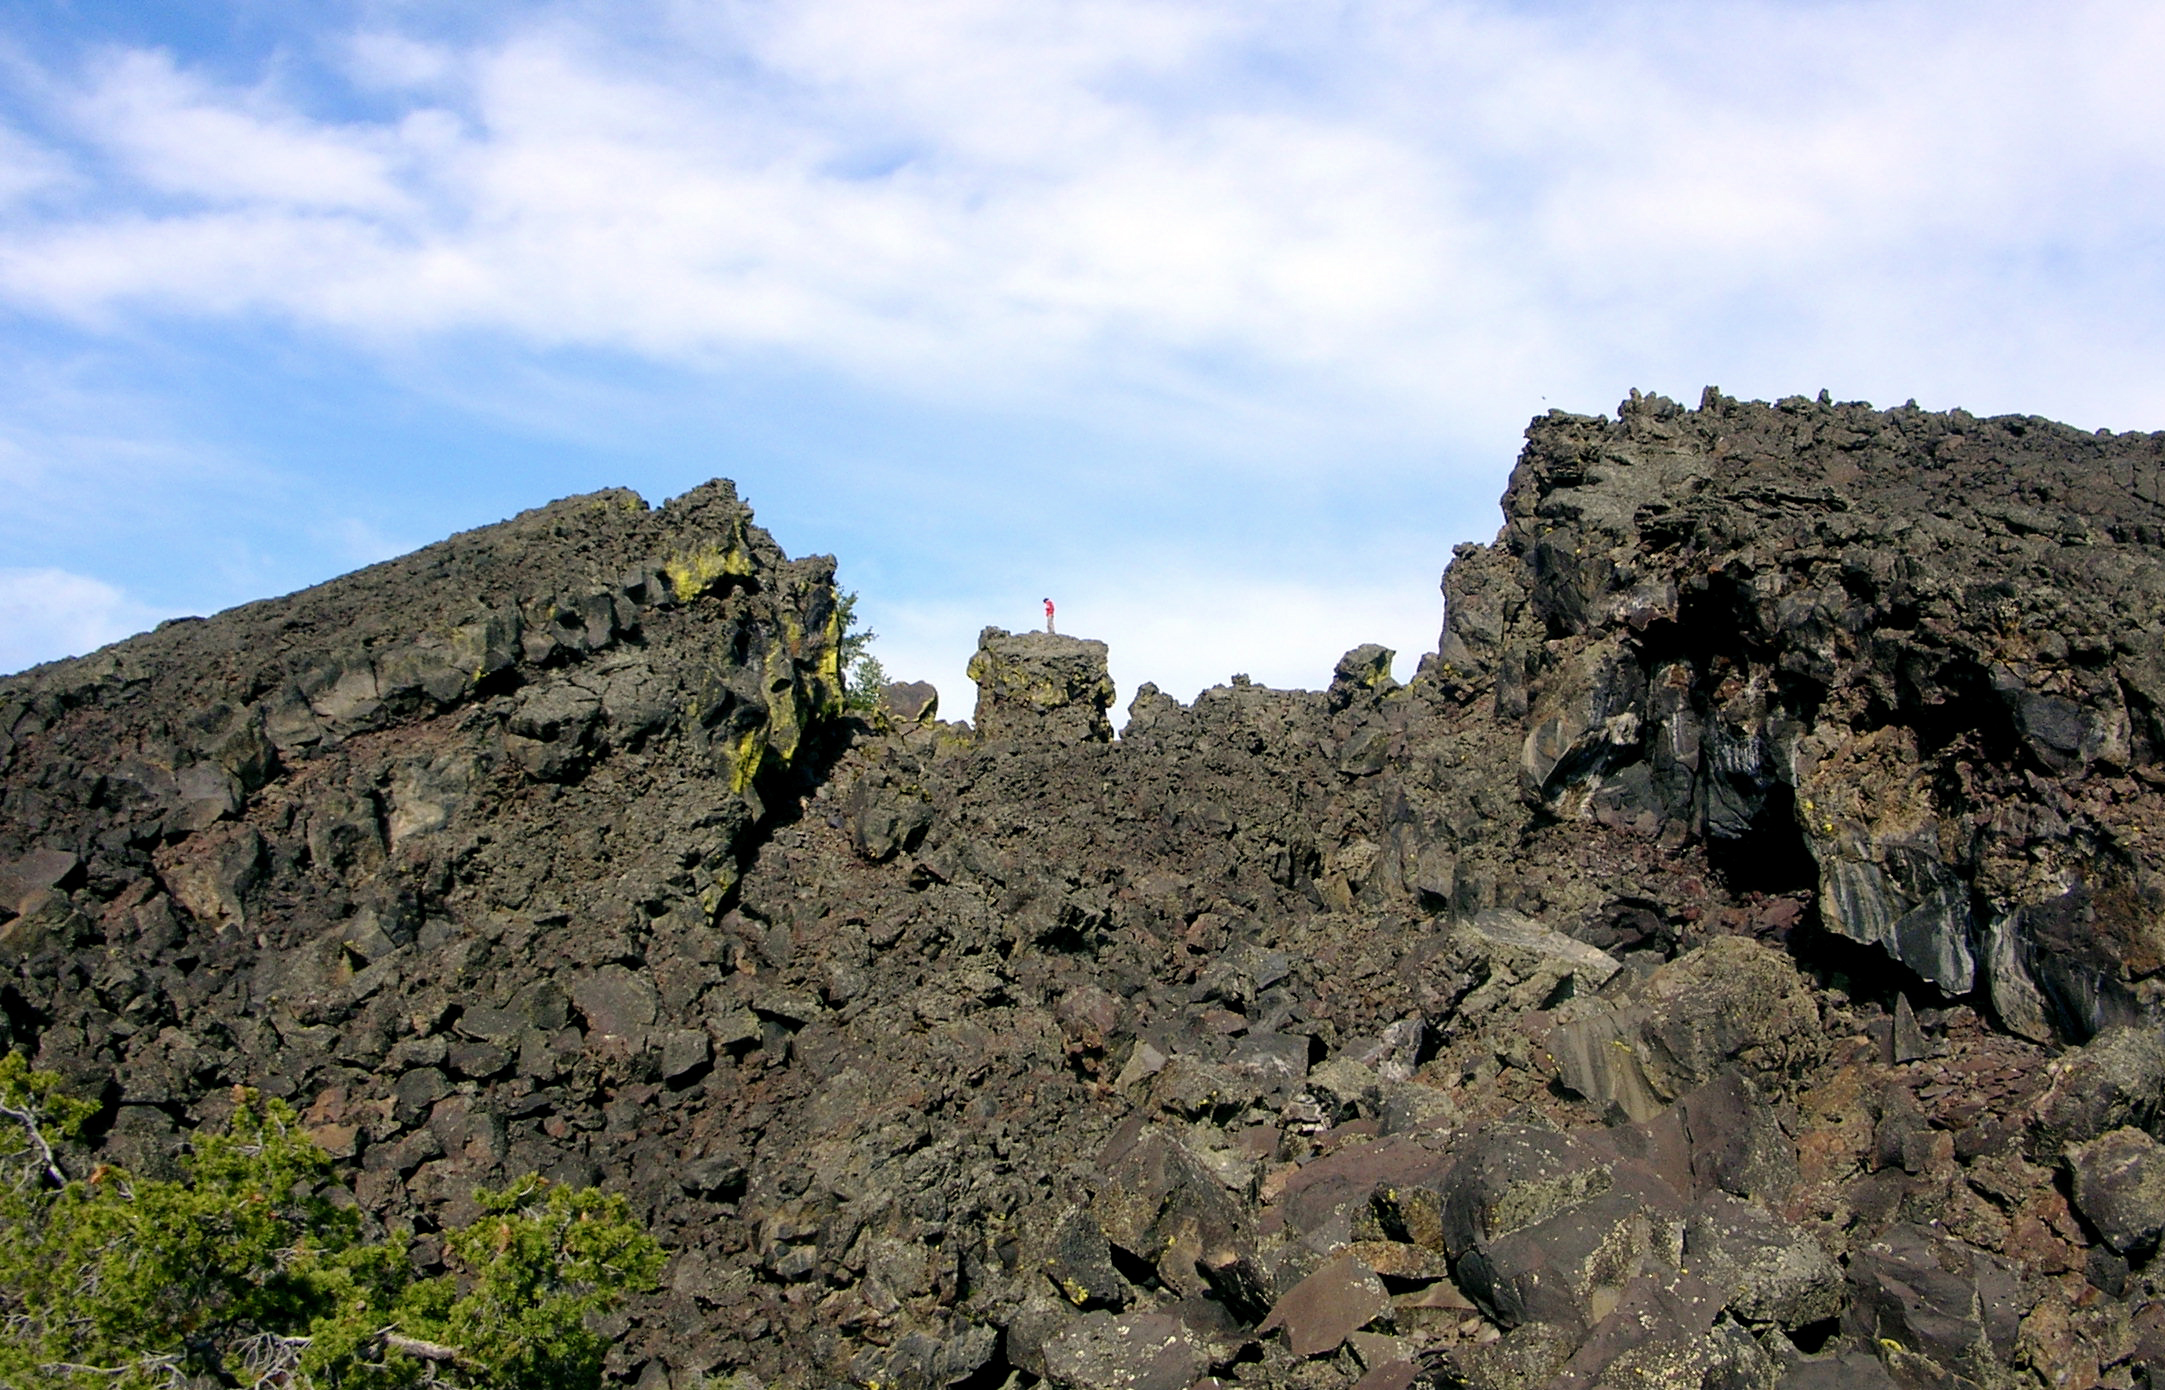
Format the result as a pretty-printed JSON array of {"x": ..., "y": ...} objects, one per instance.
[
  {"x": 1136, "y": 1351},
  {"x": 1732, "y": 1004},
  {"x": 1768, "y": 1271},
  {"x": 2117, "y": 1079},
  {"x": 1542, "y": 1227},
  {"x": 1041, "y": 687},
  {"x": 2120, "y": 1187},
  {"x": 1922, "y": 1296}
]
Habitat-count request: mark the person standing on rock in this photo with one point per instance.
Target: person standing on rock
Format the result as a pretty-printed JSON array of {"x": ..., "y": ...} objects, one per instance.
[{"x": 1048, "y": 616}]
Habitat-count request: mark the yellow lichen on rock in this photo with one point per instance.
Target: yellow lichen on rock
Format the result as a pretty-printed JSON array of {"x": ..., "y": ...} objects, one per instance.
[{"x": 696, "y": 572}]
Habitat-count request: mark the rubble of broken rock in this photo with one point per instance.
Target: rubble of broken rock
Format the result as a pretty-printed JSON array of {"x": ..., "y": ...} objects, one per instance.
[{"x": 1732, "y": 961}]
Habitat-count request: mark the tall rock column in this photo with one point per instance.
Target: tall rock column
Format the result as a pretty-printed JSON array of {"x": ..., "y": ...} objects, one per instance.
[{"x": 1040, "y": 687}]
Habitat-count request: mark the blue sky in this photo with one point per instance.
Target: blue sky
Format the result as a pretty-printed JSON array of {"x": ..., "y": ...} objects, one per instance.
[{"x": 1218, "y": 322}]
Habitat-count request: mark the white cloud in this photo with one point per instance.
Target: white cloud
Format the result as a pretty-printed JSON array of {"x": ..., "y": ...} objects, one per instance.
[
  {"x": 179, "y": 135},
  {"x": 1441, "y": 206},
  {"x": 46, "y": 614}
]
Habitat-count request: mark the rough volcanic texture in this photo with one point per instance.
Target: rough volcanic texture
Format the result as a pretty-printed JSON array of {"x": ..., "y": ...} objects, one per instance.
[
  {"x": 294, "y": 844},
  {"x": 1732, "y": 961},
  {"x": 1041, "y": 687},
  {"x": 1915, "y": 662}
]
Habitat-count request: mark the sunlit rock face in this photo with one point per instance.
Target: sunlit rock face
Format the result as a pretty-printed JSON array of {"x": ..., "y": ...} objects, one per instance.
[
  {"x": 1041, "y": 686},
  {"x": 1908, "y": 660},
  {"x": 1732, "y": 960}
]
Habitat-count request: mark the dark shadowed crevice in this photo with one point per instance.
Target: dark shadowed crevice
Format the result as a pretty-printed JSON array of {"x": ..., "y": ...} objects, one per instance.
[
  {"x": 1773, "y": 857},
  {"x": 1864, "y": 972},
  {"x": 1813, "y": 1337},
  {"x": 990, "y": 1376},
  {"x": 24, "y": 1023},
  {"x": 1712, "y": 623},
  {"x": 1969, "y": 717},
  {"x": 1134, "y": 1268},
  {"x": 786, "y": 791}
]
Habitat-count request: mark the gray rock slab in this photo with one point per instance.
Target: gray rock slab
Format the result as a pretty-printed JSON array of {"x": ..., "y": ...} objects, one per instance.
[
  {"x": 1135, "y": 1351},
  {"x": 1321, "y": 1311},
  {"x": 616, "y": 1002},
  {"x": 1769, "y": 1271}
]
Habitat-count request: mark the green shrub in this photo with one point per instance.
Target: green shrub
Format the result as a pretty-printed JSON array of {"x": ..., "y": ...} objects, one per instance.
[{"x": 245, "y": 1272}]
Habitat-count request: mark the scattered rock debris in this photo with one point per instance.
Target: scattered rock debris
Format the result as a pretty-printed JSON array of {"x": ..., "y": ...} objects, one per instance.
[{"x": 1733, "y": 959}]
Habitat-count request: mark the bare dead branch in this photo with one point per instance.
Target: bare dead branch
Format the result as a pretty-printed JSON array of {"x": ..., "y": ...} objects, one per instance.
[
  {"x": 28, "y": 1119},
  {"x": 425, "y": 1351}
]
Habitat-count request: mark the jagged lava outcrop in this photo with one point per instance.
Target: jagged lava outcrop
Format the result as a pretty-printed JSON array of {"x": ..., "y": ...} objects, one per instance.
[{"x": 1732, "y": 960}]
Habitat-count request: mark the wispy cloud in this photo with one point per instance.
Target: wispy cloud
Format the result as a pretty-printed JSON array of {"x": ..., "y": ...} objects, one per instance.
[{"x": 175, "y": 133}]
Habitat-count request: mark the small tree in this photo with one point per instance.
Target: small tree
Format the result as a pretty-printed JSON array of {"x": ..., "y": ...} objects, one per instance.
[
  {"x": 245, "y": 1272},
  {"x": 863, "y": 675},
  {"x": 542, "y": 1258}
]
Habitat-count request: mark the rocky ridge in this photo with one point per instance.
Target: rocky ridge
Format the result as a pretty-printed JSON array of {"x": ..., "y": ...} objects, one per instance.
[{"x": 1733, "y": 959}]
